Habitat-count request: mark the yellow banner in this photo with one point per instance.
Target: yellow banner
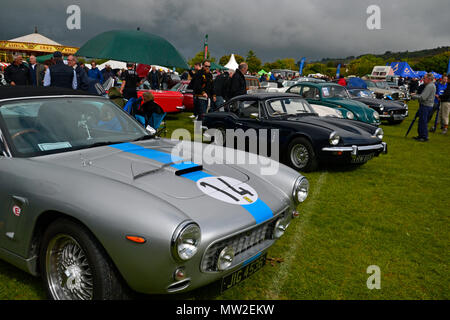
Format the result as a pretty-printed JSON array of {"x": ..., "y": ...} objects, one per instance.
[{"x": 26, "y": 46}]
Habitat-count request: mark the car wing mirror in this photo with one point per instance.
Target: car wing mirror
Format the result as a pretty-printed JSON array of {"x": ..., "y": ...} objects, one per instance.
[{"x": 254, "y": 116}]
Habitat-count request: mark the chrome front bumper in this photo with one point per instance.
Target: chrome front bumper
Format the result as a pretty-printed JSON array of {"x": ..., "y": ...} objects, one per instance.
[{"x": 354, "y": 149}]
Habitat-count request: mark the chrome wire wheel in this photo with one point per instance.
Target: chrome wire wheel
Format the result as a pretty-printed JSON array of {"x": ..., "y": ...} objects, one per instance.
[
  {"x": 68, "y": 271},
  {"x": 300, "y": 156}
]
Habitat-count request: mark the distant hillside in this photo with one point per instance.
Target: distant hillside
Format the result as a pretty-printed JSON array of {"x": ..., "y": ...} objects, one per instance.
[
  {"x": 423, "y": 60},
  {"x": 390, "y": 56}
]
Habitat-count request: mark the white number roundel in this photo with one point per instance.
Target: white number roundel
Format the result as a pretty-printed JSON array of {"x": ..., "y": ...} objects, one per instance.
[{"x": 228, "y": 190}]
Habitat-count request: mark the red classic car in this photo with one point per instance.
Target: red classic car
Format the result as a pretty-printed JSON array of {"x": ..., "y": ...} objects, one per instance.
[
  {"x": 170, "y": 101},
  {"x": 188, "y": 97}
]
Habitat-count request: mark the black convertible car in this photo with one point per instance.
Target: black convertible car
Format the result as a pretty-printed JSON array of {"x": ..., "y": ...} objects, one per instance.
[
  {"x": 392, "y": 111},
  {"x": 305, "y": 139}
]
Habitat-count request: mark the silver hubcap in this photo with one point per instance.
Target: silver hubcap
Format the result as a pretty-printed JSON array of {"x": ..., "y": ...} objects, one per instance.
[
  {"x": 68, "y": 272},
  {"x": 299, "y": 156}
]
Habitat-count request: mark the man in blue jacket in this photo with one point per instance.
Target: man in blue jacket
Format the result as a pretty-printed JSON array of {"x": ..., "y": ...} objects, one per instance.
[
  {"x": 94, "y": 73},
  {"x": 440, "y": 88}
]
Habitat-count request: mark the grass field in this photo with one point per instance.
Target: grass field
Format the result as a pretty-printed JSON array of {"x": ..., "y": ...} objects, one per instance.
[{"x": 392, "y": 212}]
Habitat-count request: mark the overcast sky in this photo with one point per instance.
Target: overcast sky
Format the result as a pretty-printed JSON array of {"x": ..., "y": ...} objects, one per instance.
[{"x": 272, "y": 28}]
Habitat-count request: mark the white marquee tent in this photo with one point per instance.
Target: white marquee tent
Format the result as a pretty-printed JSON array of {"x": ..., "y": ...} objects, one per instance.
[{"x": 232, "y": 64}]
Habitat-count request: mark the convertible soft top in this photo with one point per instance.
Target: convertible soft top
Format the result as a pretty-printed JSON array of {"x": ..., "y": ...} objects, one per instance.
[{"x": 30, "y": 91}]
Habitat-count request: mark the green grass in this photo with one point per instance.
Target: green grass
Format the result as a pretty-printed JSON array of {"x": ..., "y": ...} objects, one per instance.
[{"x": 392, "y": 212}]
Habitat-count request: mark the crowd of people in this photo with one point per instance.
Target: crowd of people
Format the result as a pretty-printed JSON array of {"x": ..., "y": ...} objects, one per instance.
[
  {"x": 214, "y": 91},
  {"x": 209, "y": 90}
]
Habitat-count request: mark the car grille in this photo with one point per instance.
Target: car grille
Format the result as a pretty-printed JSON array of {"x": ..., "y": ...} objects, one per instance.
[
  {"x": 400, "y": 111},
  {"x": 241, "y": 243}
]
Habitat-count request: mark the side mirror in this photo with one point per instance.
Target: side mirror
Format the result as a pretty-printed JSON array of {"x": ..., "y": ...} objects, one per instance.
[{"x": 254, "y": 116}]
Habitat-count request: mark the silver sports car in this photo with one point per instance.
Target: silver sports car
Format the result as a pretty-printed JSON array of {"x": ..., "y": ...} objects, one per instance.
[{"x": 100, "y": 208}]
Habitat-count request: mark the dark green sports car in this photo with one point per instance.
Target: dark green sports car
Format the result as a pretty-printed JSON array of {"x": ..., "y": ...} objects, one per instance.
[{"x": 335, "y": 96}]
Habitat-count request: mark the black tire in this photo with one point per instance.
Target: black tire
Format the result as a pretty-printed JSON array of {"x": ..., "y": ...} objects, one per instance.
[
  {"x": 301, "y": 155},
  {"x": 74, "y": 266}
]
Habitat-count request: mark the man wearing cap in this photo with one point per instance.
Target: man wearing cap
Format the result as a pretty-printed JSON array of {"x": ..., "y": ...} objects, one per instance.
[{"x": 59, "y": 74}]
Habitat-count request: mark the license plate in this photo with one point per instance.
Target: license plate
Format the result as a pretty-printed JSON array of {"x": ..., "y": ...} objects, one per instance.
[
  {"x": 398, "y": 117},
  {"x": 362, "y": 158},
  {"x": 240, "y": 275}
]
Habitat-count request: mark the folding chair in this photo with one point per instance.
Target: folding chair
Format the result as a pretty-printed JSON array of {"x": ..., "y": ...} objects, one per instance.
[{"x": 157, "y": 123}]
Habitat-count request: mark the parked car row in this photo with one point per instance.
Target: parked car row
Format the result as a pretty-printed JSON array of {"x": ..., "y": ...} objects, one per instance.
[{"x": 305, "y": 140}]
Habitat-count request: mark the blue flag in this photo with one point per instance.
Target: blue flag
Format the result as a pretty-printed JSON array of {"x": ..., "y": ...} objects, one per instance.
[
  {"x": 302, "y": 63},
  {"x": 338, "y": 71},
  {"x": 448, "y": 68}
]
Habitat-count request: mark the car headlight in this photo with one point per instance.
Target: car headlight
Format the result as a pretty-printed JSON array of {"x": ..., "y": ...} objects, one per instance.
[
  {"x": 376, "y": 115},
  {"x": 301, "y": 189},
  {"x": 379, "y": 133},
  {"x": 185, "y": 241},
  {"x": 280, "y": 228},
  {"x": 334, "y": 138},
  {"x": 339, "y": 114},
  {"x": 350, "y": 115},
  {"x": 381, "y": 107},
  {"x": 225, "y": 258}
]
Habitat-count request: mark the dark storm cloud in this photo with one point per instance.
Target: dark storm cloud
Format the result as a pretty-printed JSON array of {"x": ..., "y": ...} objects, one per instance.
[{"x": 273, "y": 29}]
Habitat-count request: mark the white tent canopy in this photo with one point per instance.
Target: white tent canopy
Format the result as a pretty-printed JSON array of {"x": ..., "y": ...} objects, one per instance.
[
  {"x": 35, "y": 38},
  {"x": 232, "y": 64},
  {"x": 114, "y": 65}
]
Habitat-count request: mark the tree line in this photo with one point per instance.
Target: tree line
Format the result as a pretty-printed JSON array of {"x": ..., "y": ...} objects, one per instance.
[{"x": 427, "y": 60}]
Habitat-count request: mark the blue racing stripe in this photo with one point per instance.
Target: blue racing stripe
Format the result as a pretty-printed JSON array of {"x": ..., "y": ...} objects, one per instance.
[
  {"x": 197, "y": 175},
  {"x": 252, "y": 259},
  {"x": 258, "y": 209}
]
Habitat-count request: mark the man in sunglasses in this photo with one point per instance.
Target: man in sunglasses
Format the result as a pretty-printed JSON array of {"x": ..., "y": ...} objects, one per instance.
[{"x": 202, "y": 85}]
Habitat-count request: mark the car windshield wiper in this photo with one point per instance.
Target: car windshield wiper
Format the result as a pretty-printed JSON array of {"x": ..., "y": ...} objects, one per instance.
[
  {"x": 100, "y": 144},
  {"x": 146, "y": 137}
]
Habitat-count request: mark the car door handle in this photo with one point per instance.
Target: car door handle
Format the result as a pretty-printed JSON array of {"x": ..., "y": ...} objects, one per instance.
[{"x": 239, "y": 123}]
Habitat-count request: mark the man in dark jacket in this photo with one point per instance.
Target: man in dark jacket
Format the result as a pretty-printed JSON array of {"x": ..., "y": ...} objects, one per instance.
[
  {"x": 82, "y": 78},
  {"x": 238, "y": 85},
  {"x": 203, "y": 87},
  {"x": 154, "y": 78},
  {"x": 130, "y": 81},
  {"x": 60, "y": 75},
  {"x": 107, "y": 73},
  {"x": 17, "y": 73},
  {"x": 445, "y": 107},
  {"x": 222, "y": 85}
]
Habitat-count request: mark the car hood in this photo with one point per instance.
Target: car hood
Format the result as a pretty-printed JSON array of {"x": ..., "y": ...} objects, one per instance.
[
  {"x": 350, "y": 131},
  {"x": 144, "y": 165},
  {"x": 363, "y": 112},
  {"x": 391, "y": 105}
]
